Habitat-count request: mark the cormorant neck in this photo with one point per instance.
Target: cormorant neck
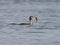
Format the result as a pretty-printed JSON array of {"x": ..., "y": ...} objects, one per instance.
[{"x": 31, "y": 22}]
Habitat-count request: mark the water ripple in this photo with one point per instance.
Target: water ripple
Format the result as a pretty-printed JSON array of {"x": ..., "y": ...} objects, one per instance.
[
  {"x": 45, "y": 28},
  {"x": 35, "y": 32}
]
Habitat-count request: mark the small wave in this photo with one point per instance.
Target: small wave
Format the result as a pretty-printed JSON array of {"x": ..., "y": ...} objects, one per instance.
[
  {"x": 35, "y": 32},
  {"x": 45, "y": 28}
]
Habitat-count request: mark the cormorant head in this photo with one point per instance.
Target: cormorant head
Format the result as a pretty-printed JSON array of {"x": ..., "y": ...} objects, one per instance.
[{"x": 33, "y": 18}]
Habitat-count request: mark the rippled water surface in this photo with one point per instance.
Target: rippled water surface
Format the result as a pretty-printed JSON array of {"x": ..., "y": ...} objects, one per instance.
[{"x": 45, "y": 32}]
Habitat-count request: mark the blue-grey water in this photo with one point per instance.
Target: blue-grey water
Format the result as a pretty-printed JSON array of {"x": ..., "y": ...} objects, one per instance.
[{"x": 45, "y": 32}]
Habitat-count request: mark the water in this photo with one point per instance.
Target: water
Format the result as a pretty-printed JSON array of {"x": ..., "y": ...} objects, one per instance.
[{"x": 45, "y": 32}]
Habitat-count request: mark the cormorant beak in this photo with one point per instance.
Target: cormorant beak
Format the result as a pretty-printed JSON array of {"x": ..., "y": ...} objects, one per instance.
[{"x": 36, "y": 19}]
